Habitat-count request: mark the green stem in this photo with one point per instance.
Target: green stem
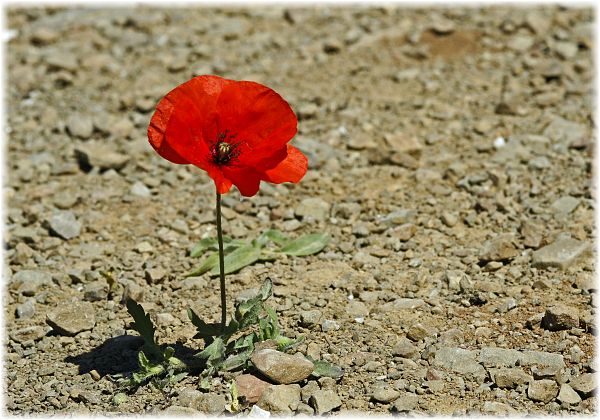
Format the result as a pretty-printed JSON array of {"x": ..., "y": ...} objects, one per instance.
[{"x": 221, "y": 265}]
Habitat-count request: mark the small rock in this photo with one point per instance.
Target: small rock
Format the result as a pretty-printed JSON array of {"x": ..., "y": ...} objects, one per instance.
[
  {"x": 143, "y": 247},
  {"x": 208, "y": 403},
  {"x": 385, "y": 394},
  {"x": 72, "y": 318},
  {"x": 44, "y": 36},
  {"x": 560, "y": 317},
  {"x": 80, "y": 126},
  {"x": 329, "y": 325},
  {"x": 280, "y": 367},
  {"x": 521, "y": 43},
  {"x": 541, "y": 358},
  {"x": 403, "y": 232},
  {"x": 26, "y": 309},
  {"x": 449, "y": 219},
  {"x": 280, "y": 399},
  {"x": 356, "y": 309},
  {"x": 567, "y": 395},
  {"x": 95, "y": 291},
  {"x": 28, "y": 282},
  {"x": 584, "y": 384},
  {"x": 399, "y": 217},
  {"x": 565, "y": 205},
  {"x": 511, "y": 378},
  {"x": 313, "y": 207},
  {"x": 500, "y": 248},
  {"x": 64, "y": 224},
  {"x": 310, "y": 318},
  {"x": 545, "y": 390},
  {"x": 165, "y": 319},
  {"x": 442, "y": 26},
  {"x": 563, "y": 131},
  {"x": 498, "y": 408},
  {"x": 403, "y": 143},
  {"x": 155, "y": 275},
  {"x": 404, "y": 348},
  {"x": 418, "y": 332},
  {"x": 566, "y": 50},
  {"x": 561, "y": 254},
  {"x": 257, "y": 412},
  {"x": 98, "y": 155},
  {"x": 324, "y": 401},
  {"x": 28, "y": 333},
  {"x": 179, "y": 411},
  {"x": 405, "y": 402},
  {"x": 460, "y": 361},
  {"x": 532, "y": 234},
  {"x": 140, "y": 190},
  {"x": 498, "y": 357},
  {"x": 250, "y": 387}
]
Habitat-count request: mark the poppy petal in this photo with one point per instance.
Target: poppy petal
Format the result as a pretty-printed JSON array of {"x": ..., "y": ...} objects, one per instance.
[
  {"x": 291, "y": 169},
  {"x": 246, "y": 179},
  {"x": 261, "y": 119},
  {"x": 156, "y": 132},
  {"x": 222, "y": 183}
]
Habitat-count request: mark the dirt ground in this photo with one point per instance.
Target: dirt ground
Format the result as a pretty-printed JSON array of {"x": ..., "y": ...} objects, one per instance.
[{"x": 450, "y": 153}]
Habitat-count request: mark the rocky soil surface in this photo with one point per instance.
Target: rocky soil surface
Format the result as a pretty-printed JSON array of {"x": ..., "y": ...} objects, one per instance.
[{"x": 450, "y": 161}]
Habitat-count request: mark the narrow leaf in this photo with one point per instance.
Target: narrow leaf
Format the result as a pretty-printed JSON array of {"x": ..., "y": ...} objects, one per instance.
[
  {"x": 323, "y": 368},
  {"x": 238, "y": 259},
  {"x": 306, "y": 245},
  {"x": 214, "y": 351},
  {"x": 266, "y": 289},
  {"x": 209, "y": 263},
  {"x": 271, "y": 235},
  {"x": 203, "y": 245}
]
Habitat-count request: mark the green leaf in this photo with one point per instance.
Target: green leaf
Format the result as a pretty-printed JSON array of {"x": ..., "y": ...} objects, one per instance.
[
  {"x": 285, "y": 343},
  {"x": 238, "y": 259},
  {"x": 215, "y": 351},
  {"x": 247, "y": 312},
  {"x": 209, "y": 263},
  {"x": 306, "y": 245},
  {"x": 323, "y": 368},
  {"x": 273, "y": 235},
  {"x": 143, "y": 325},
  {"x": 266, "y": 289},
  {"x": 238, "y": 360},
  {"x": 203, "y": 245},
  {"x": 178, "y": 377},
  {"x": 204, "y": 330}
]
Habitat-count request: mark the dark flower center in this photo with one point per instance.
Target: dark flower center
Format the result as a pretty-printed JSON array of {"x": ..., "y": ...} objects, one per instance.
[{"x": 222, "y": 152}]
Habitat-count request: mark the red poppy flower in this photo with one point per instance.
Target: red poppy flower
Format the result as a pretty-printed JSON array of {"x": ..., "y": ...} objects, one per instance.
[{"x": 237, "y": 131}]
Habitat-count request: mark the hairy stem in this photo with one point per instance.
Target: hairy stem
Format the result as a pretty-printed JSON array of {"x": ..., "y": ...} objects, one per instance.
[{"x": 221, "y": 265}]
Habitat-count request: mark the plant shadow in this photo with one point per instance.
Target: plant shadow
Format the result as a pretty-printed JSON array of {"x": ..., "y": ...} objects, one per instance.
[{"x": 119, "y": 355}]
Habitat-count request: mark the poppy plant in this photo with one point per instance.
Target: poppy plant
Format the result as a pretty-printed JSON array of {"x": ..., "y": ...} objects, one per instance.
[{"x": 237, "y": 131}]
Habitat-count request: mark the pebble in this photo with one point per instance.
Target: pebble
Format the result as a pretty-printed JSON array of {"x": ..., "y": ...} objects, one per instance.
[
  {"x": 565, "y": 132},
  {"x": 314, "y": 208},
  {"x": 280, "y": 367},
  {"x": 80, "y": 126},
  {"x": 498, "y": 408},
  {"x": 566, "y": 50},
  {"x": 324, "y": 401},
  {"x": 567, "y": 395},
  {"x": 29, "y": 282},
  {"x": 500, "y": 248},
  {"x": 311, "y": 318},
  {"x": 442, "y": 26},
  {"x": 25, "y": 334},
  {"x": 400, "y": 142},
  {"x": 560, "y": 317},
  {"x": 44, "y": 36},
  {"x": 26, "y": 309},
  {"x": 250, "y": 387},
  {"x": 404, "y": 348},
  {"x": 565, "y": 205},
  {"x": 95, "y": 291},
  {"x": 329, "y": 325},
  {"x": 72, "y": 317},
  {"x": 511, "y": 378},
  {"x": 584, "y": 384},
  {"x": 209, "y": 403},
  {"x": 399, "y": 217},
  {"x": 498, "y": 357},
  {"x": 64, "y": 224},
  {"x": 544, "y": 390},
  {"x": 521, "y": 43},
  {"x": 140, "y": 190},
  {"x": 561, "y": 254},
  {"x": 98, "y": 155},
  {"x": 280, "y": 399},
  {"x": 460, "y": 361},
  {"x": 385, "y": 394},
  {"x": 155, "y": 275},
  {"x": 419, "y": 332},
  {"x": 179, "y": 411},
  {"x": 356, "y": 309},
  {"x": 405, "y": 402}
]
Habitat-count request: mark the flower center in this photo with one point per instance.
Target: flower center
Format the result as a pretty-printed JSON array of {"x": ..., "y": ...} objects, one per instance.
[{"x": 222, "y": 152}]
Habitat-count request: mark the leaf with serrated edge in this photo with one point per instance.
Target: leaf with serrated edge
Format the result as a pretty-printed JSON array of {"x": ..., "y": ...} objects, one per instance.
[
  {"x": 238, "y": 259},
  {"x": 204, "y": 330},
  {"x": 214, "y": 351},
  {"x": 266, "y": 289},
  {"x": 306, "y": 245},
  {"x": 143, "y": 325}
]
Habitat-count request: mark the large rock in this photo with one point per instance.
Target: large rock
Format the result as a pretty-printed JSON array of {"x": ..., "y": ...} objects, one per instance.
[
  {"x": 584, "y": 384},
  {"x": 498, "y": 357},
  {"x": 460, "y": 361},
  {"x": 280, "y": 367},
  {"x": 541, "y": 358},
  {"x": 545, "y": 390},
  {"x": 250, "y": 387},
  {"x": 562, "y": 253},
  {"x": 28, "y": 282},
  {"x": 64, "y": 224},
  {"x": 567, "y": 395},
  {"x": 405, "y": 402},
  {"x": 511, "y": 378},
  {"x": 280, "y": 399},
  {"x": 72, "y": 317},
  {"x": 560, "y": 317}
]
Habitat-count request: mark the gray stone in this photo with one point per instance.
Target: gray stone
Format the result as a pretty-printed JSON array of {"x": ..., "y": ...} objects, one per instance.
[
  {"x": 98, "y": 155},
  {"x": 280, "y": 399},
  {"x": 64, "y": 224},
  {"x": 521, "y": 43},
  {"x": 511, "y": 378},
  {"x": 442, "y": 26},
  {"x": 403, "y": 304},
  {"x": 562, "y": 131},
  {"x": 72, "y": 317},
  {"x": 155, "y": 275},
  {"x": 139, "y": 189},
  {"x": 208, "y": 403},
  {"x": 80, "y": 126},
  {"x": 356, "y": 309},
  {"x": 405, "y": 402},
  {"x": 179, "y": 411},
  {"x": 310, "y": 318},
  {"x": 565, "y": 205},
  {"x": 418, "y": 332},
  {"x": 545, "y": 390},
  {"x": 584, "y": 384},
  {"x": 28, "y": 282},
  {"x": 96, "y": 290},
  {"x": 26, "y": 309},
  {"x": 499, "y": 248},
  {"x": 385, "y": 394},
  {"x": 566, "y": 50},
  {"x": 567, "y": 395},
  {"x": 280, "y": 367},
  {"x": 399, "y": 217},
  {"x": 561, "y": 254},
  {"x": 460, "y": 361},
  {"x": 498, "y": 408},
  {"x": 560, "y": 317},
  {"x": 541, "y": 358},
  {"x": 324, "y": 401},
  {"x": 313, "y": 207},
  {"x": 28, "y": 333},
  {"x": 329, "y": 325},
  {"x": 498, "y": 357},
  {"x": 404, "y": 348}
]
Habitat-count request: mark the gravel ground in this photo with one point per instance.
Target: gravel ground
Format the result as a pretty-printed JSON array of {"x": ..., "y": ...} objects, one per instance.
[{"x": 450, "y": 161}]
